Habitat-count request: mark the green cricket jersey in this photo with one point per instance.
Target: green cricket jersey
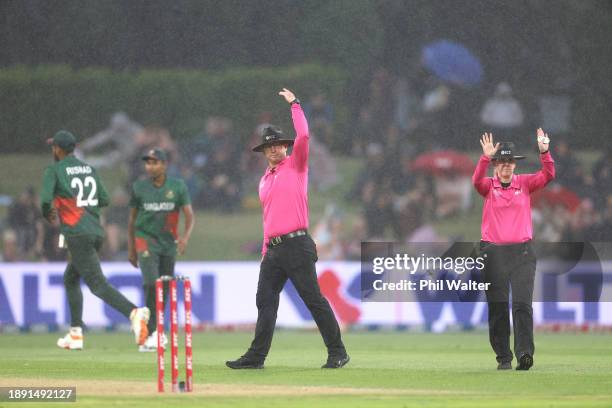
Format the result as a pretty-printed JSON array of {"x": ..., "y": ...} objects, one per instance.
[
  {"x": 156, "y": 226},
  {"x": 75, "y": 190}
]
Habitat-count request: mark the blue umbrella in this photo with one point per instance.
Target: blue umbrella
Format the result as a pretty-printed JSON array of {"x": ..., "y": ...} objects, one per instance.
[{"x": 452, "y": 62}]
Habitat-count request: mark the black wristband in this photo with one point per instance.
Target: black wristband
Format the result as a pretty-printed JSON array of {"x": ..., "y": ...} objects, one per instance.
[
  {"x": 544, "y": 152},
  {"x": 296, "y": 100}
]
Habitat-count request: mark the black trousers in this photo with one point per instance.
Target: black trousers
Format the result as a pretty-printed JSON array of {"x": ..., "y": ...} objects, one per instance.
[
  {"x": 292, "y": 259},
  {"x": 510, "y": 266}
]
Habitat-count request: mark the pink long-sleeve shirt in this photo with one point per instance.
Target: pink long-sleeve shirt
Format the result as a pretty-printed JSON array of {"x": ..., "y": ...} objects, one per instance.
[
  {"x": 283, "y": 191},
  {"x": 506, "y": 213}
]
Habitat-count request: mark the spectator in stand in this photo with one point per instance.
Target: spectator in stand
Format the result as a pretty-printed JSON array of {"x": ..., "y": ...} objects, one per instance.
[
  {"x": 320, "y": 114},
  {"x": 10, "y": 250},
  {"x": 327, "y": 235},
  {"x": 217, "y": 133},
  {"x": 373, "y": 188},
  {"x": 502, "y": 113},
  {"x": 194, "y": 183},
  {"x": 453, "y": 194},
  {"x": 25, "y": 219},
  {"x": 602, "y": 175},
  {"x": 379, "y": 102},
  {"x": 364, "y": 132},
  {"x": 569, "y": 172},
  {"x": 602, "y": 230},
  {"x": 222, "y": 178},
  {"x": 323, "y": 171},
  {"x": 434, "y": 121},
  {"x": 376, "y": 168},
  {"x": 408, "y": 106},
  {"x": 359, "y": 234},
  {"x": 577, "y": 226},
  {"x": 377, "y": 198}
]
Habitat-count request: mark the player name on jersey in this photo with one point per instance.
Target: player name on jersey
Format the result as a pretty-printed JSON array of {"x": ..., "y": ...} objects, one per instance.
[
  {"x": 75, "y": 170},
  {"x": 158, "y": 206}
]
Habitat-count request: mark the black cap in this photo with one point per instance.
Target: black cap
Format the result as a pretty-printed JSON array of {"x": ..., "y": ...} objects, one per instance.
[
  {"x": 506, "y": 151},
  {"x": 270, "y": 135},
  {"x": 64, "y": 140},
  {"x": 156, "y": 154}
]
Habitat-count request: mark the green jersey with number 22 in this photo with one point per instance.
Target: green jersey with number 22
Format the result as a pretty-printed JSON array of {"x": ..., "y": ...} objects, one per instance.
[{"x": 75, "y": 190}]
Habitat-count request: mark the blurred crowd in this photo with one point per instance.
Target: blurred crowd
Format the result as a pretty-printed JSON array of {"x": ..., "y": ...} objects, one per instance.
[{"x": 410, "y": 133}]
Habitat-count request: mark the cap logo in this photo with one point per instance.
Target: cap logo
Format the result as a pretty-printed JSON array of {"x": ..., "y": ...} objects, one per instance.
[
  {"x": 268, "y": 137},
  {"x": 506, "y": 152}
]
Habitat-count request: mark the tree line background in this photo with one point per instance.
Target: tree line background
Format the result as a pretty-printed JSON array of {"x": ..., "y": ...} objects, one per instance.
[{"x": 539, "y": 46}]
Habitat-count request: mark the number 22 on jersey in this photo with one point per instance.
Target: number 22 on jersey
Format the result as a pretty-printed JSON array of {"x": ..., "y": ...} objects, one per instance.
[{"x": 88, "y": 183}]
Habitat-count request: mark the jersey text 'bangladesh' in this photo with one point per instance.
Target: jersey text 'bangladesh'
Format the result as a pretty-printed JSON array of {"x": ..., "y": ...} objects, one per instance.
[{"x": 156, "y": 226}]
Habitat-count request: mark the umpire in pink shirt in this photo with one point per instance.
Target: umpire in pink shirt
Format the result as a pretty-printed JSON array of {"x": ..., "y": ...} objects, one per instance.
[
  {"x": 506, "y": 245},
  {"x": 288, "y": 250}
]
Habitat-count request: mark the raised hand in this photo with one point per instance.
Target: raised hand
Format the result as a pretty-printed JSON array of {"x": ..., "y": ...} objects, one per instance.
[
  {"x": 289, "y": 96},
  {"x": 543, "y": 140},
  {"x": 488, "y": 149}
]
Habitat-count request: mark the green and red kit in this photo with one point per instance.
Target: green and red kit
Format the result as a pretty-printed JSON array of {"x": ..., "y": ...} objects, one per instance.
[
  {"x": 75, "y": 190},
  {"x": 156, "y": 226}
]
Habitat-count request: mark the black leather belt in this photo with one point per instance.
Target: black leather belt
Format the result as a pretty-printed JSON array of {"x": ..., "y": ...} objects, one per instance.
[{"x": 277, "y": 240}]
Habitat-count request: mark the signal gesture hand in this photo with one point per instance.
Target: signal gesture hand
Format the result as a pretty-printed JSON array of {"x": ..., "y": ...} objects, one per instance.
[
  {"x": 287, "y": 94},
  {"x": 543, "y": 140},
  {"x": 488, "y": 149}
]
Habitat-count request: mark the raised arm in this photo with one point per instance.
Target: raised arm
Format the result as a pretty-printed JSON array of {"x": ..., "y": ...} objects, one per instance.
[
  {"x": 539, "y": 179},
  {"x": 479, "y": 178},
  {"x": 300, "y": 146}
]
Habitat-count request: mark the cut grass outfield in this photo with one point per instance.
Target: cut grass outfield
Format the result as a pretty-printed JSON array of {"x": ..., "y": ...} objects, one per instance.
[{"x": 387, "y": 369}]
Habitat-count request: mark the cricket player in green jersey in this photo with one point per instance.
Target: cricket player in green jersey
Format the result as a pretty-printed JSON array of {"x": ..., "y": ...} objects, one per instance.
[
  {"x": 153, "y": 239},
  {"x": 73, "y": 191}
]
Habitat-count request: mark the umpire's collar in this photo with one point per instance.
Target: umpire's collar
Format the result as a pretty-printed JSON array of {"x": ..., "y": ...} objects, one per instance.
[
  {"x": 514, "y": 183},
  {"x": 270, "y": 170}
]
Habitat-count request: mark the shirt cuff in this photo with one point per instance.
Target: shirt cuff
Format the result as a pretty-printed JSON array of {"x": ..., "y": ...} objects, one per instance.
[{"x": 546, "y": 155}]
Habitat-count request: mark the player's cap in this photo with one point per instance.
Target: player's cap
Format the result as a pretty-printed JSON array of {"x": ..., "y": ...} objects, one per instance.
[
  {"x": 156, "y": 154},
  {"x": 506, "y": 151},
  {"x": 64, "y": 140},
  {"x": 271, "y": 135}
]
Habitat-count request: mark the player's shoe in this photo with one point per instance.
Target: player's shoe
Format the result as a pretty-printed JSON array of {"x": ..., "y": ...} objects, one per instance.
[
  {"x": 150, "y": 345},
  {"x": 336, "y": 361},
  {"x": 139, "y": 319},
  {"x": 73, "y": 340},
  {"x": 525, "y": 362},
  {"x": 505, "y": 366},
  {"x": 244, "y": 362}
]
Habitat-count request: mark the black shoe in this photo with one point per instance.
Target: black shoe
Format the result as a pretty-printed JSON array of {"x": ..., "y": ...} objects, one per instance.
[
  {"x": 505, "y": 366},
  {"x": 244, "y": 362},
  {"x": 525, "y": 362},
  {"x": 336, "y": 362}
]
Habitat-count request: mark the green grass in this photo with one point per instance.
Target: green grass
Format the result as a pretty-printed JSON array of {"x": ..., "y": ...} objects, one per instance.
[{"x": 454, "y": 369}]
